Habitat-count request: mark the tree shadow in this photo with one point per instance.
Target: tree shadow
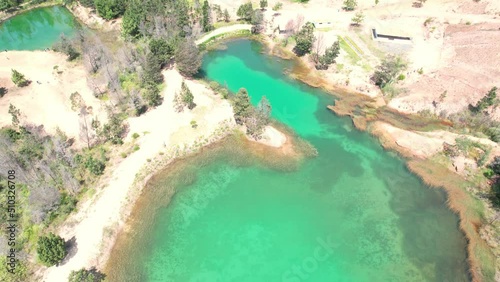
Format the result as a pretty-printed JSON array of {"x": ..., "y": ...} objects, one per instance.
[
  {"x": 3, "y": 91},
  {"x": 71, "y": 247},
  {"x": 98, "y": 276}
]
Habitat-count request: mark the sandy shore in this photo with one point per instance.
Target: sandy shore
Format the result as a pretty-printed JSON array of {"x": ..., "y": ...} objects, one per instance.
[
  {"x": 46, "y": 100},
  {"x": 94, "y": 228}
]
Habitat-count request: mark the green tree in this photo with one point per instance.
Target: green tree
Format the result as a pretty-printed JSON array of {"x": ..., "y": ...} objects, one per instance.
[
  {"x": 358, "y": 18},
  {"x": 110, "y": 9},
  {"x": 182, "y": 13},
  {"x": 388, "y": 70},
  {"x": 245, "y": 11},
  {"x": 131, "y": 19},
  {"x": 161, "y": 50},
  {"x": 227, "y": 17},
  {"x": 87, "y": 3},
  {"x": 51, "y": 249},
  {"x": 242, "y": 107},
  {"x": 188, "y": 58},
  {"x": 152, "y": 71},
  {"x": 304, "y": 39},
  {"x": 151, "y": 94},
  {"x": 350, "y": 5},
  {"x": 113, "y": 130},
  {"x": 86, "y": 275},
  {"x": 95, "y": 165},
  {"x": 206, "y": 21},
  {"x": 325, "y": 60},
  {"x": 18, "y": 78},
  {"x": 187, "y": 97},
  {"x": 263, "y": 4}
]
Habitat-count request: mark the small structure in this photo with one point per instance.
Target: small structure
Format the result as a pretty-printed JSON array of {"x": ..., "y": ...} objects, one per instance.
[{"x": 377, "y": 35}]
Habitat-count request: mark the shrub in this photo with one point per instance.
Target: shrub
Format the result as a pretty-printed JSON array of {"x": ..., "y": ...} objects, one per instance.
[
  {"x": 18, "y": 78},
  {"x": 86, "y": 275},
  {"x": 110, "y": 9},
  {"x": 95, "y": 166},
  {"x": 277, "y": 6},
  {"x": 194, "y": 124},
  {"x": 51, "y": 249},
  {"x": 485, "y": 102},
  {"x": 214, "y": 85},
  {"x": 388, "y": 70},
  {"x": 401, "y": 77},
  {"x": 350, "y": 5},
  {"x": 135, "y": 135}
]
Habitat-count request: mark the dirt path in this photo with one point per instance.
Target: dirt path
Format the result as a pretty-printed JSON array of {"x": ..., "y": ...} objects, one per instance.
[{"x": 223, "y": 30}]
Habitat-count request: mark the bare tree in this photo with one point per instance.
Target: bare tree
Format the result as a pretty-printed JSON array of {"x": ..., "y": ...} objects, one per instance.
[
  {"x": 318, "y": 47},
  {"x": 299, "y": 21},
  {"x": 42, "y": 199},
  {"x": 86, "y": 132}
]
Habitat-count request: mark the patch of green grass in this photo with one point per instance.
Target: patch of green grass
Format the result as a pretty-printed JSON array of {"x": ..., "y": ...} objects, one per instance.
[
  {"x": 229, "y": 35},
  {"x": 129, "y": 81},
  {"x": 223, "y": 24},
  {"x": 340, "y": 67},
  {"x": 354, "y": 45},
  {"x": 353, "y": 56},
  {"x": 367, "y": 39}
]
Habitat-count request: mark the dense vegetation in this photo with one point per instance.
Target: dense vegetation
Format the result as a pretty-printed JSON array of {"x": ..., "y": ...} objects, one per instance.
[
  {"x": 86, "y": 275},
  {"x": 255, "y": 119}
]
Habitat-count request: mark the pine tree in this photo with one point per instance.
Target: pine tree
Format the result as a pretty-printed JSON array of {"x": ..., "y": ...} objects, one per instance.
[
  {"x": 206, "y": 21},
  {"x": 187, "y": 97},
  {"x": 242, "y": 107}
]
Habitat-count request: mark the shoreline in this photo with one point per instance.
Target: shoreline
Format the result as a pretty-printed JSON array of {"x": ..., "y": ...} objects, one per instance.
[
  {"x": 6, "y": 16},
  {"x": 360, "y": 123},
  {"x": 95, "y": 226}
]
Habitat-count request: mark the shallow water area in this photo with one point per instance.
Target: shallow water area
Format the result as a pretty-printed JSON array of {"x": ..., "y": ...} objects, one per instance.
[
  {"x": 36, "y": 29},
  {"x": 351, "y": 213}
]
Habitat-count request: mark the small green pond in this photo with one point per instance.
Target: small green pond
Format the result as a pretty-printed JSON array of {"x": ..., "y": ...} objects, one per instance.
[{"x": 36, "y": 29}]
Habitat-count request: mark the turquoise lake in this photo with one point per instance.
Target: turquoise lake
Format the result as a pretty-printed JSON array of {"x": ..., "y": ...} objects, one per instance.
[
  {"x": 351, "y": 213},
  {"x": 36, "y": 29}
]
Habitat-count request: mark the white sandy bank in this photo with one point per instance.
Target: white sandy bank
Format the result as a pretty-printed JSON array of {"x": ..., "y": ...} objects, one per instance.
[{"x": 95, "y": 227}]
